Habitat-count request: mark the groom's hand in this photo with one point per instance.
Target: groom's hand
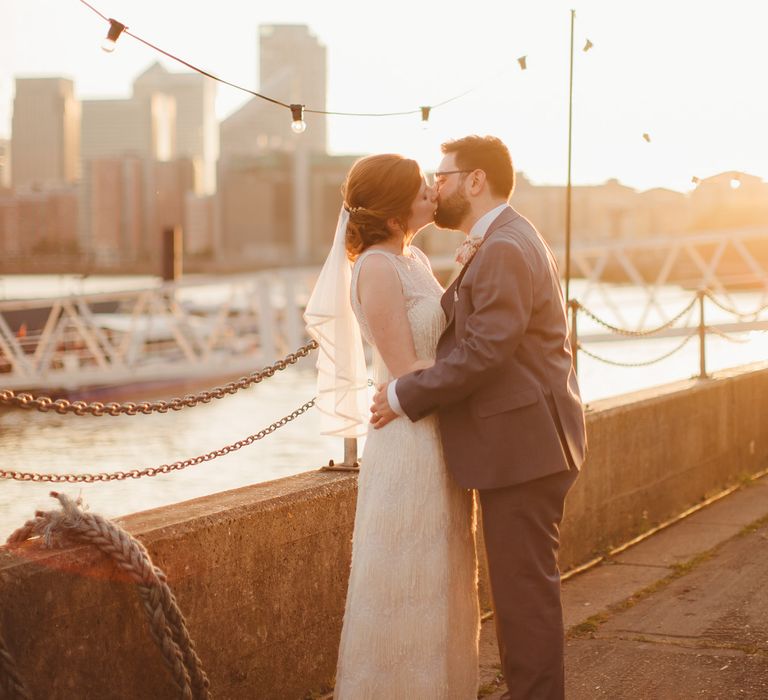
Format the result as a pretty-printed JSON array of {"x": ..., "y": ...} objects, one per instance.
[{"x": 381, "y": 413}]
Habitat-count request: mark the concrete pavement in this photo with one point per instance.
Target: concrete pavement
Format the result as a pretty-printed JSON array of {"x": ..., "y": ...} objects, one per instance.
[{"x": 683, "y": 614}]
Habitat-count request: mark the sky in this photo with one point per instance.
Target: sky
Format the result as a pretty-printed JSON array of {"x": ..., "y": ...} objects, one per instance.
[{"x": 690, "y": 73}]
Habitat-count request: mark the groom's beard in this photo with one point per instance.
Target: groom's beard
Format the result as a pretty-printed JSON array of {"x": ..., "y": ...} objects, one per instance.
[{"x": 452, "y": 210}]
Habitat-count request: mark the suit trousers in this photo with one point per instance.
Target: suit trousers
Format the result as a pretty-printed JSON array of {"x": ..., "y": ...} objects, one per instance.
[{"x": 522, "y": 537}]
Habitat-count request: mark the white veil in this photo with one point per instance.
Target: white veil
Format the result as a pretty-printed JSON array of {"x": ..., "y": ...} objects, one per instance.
[{"x": 342, "y": 379}]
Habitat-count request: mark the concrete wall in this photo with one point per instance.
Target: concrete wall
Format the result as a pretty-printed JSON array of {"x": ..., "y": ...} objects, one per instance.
[{"x": 260, "y": 572}]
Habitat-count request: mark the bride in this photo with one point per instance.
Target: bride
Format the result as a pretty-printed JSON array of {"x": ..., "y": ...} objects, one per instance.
[{"x": 411, "y": 621}]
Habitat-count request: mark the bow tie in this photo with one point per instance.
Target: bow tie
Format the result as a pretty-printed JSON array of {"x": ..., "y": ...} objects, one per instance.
[{"x": 466, "y": 251}]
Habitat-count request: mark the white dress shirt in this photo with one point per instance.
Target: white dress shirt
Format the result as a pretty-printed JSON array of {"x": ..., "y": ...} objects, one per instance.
[{"x": 479, "y": 230}]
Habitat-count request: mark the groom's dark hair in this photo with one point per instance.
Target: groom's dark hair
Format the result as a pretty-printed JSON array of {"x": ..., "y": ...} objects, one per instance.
[{"x": 486, "y": 153}]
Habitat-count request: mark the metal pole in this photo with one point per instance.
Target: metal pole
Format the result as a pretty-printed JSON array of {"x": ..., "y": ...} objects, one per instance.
[
  {"x": 350, "y": 452},
  {"x": 574, "y": 307},
  {"x": 702, "y": 337},
  {"x": 171, "y": 263},
  {"x": 568, "y": 187}
]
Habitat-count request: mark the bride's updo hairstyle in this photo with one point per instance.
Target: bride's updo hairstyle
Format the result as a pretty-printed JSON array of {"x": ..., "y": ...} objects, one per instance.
[{"x": 378, "y": 188}]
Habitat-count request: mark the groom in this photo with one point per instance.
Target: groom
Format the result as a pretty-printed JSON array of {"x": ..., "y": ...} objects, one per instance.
[{"x": 505, "y": 391}]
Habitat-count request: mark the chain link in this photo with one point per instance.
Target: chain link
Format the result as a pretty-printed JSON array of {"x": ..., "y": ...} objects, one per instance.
[
  {"x": 130, "y": 408},
  {"x": 750, "y": 316},
  {"x": 727, "y": 336},
  {"x": 163, "y": 468},
  {"x": 644, "y": 363},
  {"x": 635, "y": 334}
]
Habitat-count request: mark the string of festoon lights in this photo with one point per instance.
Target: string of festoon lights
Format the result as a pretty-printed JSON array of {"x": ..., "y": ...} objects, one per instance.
[
  {"x": 298, "y": 125},
  {"x": 297, "y": 111},
  {"x": 117, "y": 29}
]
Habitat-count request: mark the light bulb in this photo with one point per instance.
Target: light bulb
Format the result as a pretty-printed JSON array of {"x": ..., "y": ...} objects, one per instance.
[
  {"x": 115, "y": 30},
  {"x": 425, "y": 117},
  {"x": 735, "y": 183},
  {"x": 298, "y": 125}
]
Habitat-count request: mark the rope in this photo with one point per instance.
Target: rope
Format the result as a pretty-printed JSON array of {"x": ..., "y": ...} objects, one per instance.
[
  {"x": 163, "y": 468},
  {"x": 643, "y": 333},
  {"x": 11, "y": 685},
  {"x": 645, "y": 363},
  {"x": 73, "y": 525},
  {"x": 45, "y": 404}
]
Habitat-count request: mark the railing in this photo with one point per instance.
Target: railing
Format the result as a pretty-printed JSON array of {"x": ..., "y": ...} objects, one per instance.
[
  {"x": 8, "y": 397},
  {"x": 747, "y": 321},
  {"x": 190, "y": 329}
]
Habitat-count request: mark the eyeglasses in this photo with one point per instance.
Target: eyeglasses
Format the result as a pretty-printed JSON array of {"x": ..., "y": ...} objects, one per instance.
[{"x": 439, "y": 178}]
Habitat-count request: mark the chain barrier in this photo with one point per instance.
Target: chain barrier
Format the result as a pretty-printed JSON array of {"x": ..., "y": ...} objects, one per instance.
[
  {"x": 154, "y": 471},
  {"x": 636, "y": 334},
  {"x": 727, "y": 336},
  {"x": 130, "y": 408},
  {"x": 741, "y": 316},
  {"x": 644, "y": 363},
  {"x": 749, "y": 316}
]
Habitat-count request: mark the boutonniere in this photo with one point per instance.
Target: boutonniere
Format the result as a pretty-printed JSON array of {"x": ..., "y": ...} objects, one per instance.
[{"x": 466, "y": 251}]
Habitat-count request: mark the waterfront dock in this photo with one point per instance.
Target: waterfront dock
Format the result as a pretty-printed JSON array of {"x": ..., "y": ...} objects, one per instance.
[
  {"x": 681, "y": 615},
  {"x": 260, "y": 572}
]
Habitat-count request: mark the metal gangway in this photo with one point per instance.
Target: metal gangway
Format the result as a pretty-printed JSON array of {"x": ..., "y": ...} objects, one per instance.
[{"x": 194, "y": 329}]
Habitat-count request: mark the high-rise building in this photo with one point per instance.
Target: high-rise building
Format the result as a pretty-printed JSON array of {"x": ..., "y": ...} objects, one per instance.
[
  {"x": 114, "y": 217},
  {"x": 130, "y": 202},
  {"x": 45, "y": 132},
  {"x": 142, "y": 128},
  {"x": 141, "y": 156},
  {"x": 257, "y": 215},
  {"x": 199, "y": 225},
  {"x": 292, "y": 69},
  {"x": 5, "y": 163},
  {"x": 121, "y": 141},
  {"x": 39, "y": 222},
  {"x": 266, "y": 207},
  {"x": 195, "y": 126}
]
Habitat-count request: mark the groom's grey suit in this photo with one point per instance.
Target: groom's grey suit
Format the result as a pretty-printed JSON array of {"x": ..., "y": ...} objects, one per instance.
[{"x": 512, "y": 426}]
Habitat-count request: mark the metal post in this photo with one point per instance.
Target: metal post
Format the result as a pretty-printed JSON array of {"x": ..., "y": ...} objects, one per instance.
[
  {"x": 574, "y": 308},
  {"x": 568, "y": 188},
  {"x": 702, "y": 337},
  {"x": 350, "y": 463},
  {"x": 350, "y": 452},
  {"x": 172, "y": 254}
]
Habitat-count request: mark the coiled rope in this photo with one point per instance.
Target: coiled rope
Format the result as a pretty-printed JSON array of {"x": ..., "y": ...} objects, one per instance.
[{"x": 74, "y": 525}]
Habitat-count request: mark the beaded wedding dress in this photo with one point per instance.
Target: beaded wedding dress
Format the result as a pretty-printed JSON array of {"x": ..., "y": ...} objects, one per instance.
[{"x": 411, "y": 622}]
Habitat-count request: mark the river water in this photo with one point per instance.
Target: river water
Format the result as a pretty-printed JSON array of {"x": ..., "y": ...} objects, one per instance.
[{"x": 32, "y": 441}]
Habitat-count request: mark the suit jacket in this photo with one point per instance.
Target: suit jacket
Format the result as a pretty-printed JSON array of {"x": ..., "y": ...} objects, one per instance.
[{"x": 503, "y": 384}]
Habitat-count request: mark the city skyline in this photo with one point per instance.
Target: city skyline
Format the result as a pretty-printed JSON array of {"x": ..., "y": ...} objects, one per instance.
[{"x": 675, "y": 72}]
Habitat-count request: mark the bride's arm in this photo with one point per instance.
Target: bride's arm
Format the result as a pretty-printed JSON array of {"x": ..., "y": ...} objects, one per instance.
[
  {"x": 421, "y": 364},
  {"x": 383, "y": 303}
]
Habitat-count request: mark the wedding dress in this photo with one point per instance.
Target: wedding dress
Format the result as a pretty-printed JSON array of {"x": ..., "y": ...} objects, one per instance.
[{"x": 411, "y": 622}]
